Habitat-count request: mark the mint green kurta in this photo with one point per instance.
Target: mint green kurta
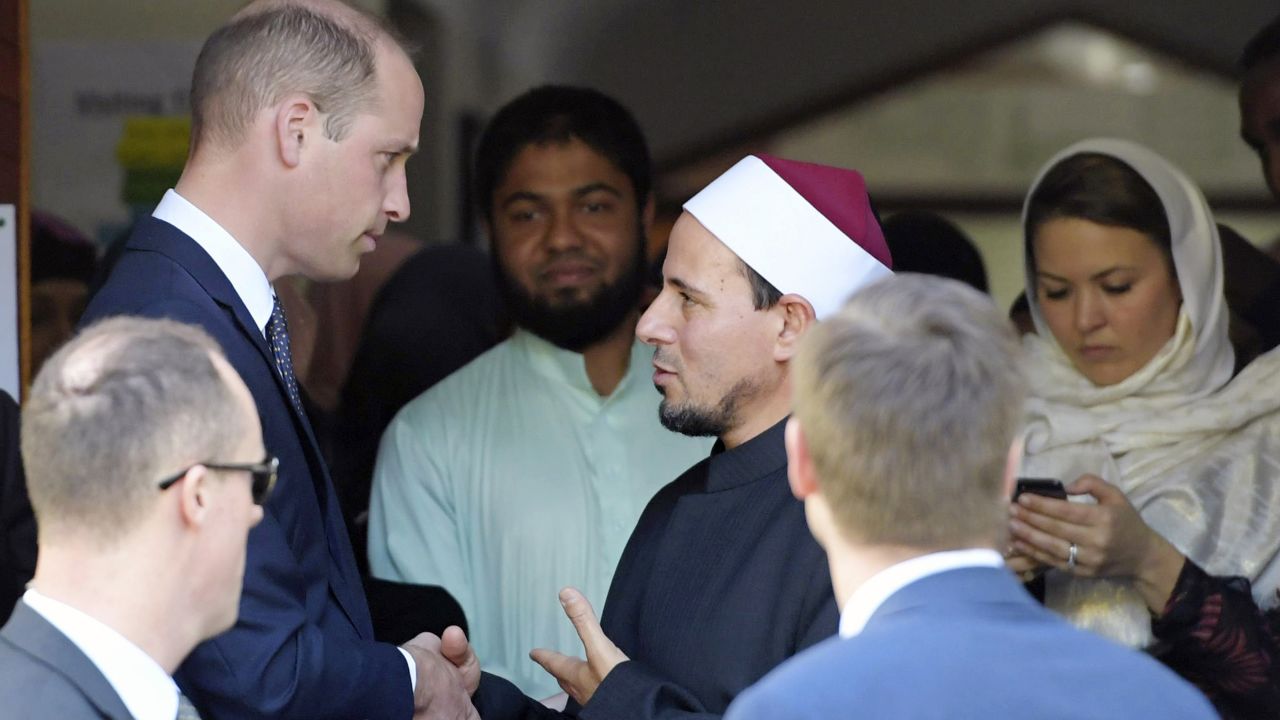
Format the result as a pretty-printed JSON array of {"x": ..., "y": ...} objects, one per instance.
[{"x": 511, "y": 479}]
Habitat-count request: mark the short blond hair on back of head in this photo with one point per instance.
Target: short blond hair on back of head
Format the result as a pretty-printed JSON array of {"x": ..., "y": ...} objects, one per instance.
[{"x": 909, "y": 399}]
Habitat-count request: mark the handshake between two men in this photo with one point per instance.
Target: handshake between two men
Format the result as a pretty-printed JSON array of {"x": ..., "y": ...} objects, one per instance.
[{"x": 448, "y": 669}]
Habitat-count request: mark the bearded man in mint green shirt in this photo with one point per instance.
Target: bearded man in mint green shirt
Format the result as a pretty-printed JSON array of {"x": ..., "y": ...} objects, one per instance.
[{"x": 526, "y": 470}]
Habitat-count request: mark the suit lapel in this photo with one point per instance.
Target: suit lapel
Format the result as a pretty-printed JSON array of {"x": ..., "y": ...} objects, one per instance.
[
  {"x": 160, "y": 237},
  {"x": 167, "y": 240},
  {"x": 30, "y": 632},
  {"x": 171, "y": 242}
]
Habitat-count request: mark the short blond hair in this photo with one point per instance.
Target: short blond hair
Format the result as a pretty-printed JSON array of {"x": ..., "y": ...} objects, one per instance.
[
  {"x": 125, "y": 403},
  {"x": 909, "y": 399},
  {"x": 326, "y": 51}
]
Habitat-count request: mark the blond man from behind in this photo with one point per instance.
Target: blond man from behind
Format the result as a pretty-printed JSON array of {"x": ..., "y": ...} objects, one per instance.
[{"x": 902, "y": 446}]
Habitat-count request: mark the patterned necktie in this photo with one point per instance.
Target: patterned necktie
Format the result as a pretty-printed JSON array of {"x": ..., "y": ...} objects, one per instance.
[
  {"x": 186, "y": 711},
  {"x": 278, "y": 337}
]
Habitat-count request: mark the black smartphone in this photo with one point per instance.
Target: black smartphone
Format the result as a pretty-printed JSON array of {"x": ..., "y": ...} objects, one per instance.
[{"x": 1040, "y": 486}]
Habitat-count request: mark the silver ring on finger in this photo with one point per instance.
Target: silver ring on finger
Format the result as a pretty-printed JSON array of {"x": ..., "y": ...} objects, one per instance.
[{"x": 1072, "y": 552}]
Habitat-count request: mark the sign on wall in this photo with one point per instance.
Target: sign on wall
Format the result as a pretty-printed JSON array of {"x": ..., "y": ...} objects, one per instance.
[{"x": 82, "y": 94}]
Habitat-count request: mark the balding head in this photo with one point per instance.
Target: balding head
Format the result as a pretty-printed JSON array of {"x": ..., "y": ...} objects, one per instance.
[
  {"x": 125, "y": 403},
  {"x": 324, "y": 50}
]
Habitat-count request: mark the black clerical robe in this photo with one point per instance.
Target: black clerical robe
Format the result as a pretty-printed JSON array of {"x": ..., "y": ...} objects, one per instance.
[{"x": 720, "y": 582}]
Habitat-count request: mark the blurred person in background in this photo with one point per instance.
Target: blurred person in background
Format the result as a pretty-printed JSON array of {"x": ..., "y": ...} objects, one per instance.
[
  {"x": 63, "y": 263},
  {"x": 926, "y": 242}
]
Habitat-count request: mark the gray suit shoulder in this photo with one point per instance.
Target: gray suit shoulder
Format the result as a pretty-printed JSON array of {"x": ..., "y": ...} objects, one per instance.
[{"x": 31, "y": 689}]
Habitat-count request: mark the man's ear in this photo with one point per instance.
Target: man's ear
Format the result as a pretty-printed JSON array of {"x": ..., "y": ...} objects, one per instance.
[
  {"x": 193, "y": 506},
  {"x": 296, "y": 119},
  {"x": 797, "y": 317},
  {"x": 800, "y": 471}
]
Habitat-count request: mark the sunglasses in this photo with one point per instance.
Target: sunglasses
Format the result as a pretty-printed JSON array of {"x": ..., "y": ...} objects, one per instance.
[{"x": 263, "y": 473}]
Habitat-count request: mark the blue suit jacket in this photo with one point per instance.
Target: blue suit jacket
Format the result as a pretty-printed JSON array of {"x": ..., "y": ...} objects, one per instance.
[
  {"x": 303, "y": 645},
  {"x": 44, "y": 675},
  {"x": 970, "y": 643}
]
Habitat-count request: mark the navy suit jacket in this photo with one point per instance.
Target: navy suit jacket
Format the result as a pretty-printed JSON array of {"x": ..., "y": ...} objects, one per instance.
[
  {"x": 43, "y": 674},
  {"x": 303, "y": 645},
  {"x": 970, "y": 643}
]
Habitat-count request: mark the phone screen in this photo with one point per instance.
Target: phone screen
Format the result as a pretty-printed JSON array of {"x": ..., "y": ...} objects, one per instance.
[{"x": 1040, "y": 486}]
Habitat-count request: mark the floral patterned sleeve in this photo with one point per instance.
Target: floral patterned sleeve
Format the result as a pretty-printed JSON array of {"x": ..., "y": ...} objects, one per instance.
[{"x": 1213, "y": 634}]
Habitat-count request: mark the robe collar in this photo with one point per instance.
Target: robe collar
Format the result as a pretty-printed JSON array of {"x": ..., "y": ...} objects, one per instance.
[{"x": 754, "y": 459}]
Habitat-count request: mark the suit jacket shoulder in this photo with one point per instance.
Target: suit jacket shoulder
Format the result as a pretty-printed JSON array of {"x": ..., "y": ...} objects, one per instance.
[
  {"x": 970, "y": 643},
  {"x": 44, "y": 674}
]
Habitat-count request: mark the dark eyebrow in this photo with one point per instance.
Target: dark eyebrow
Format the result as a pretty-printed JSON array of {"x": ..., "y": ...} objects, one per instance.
[
  {"x": 597, "y": 187},
  {"x": 1095, "y": 276},
  {"x": 521, "y": 196},
  {"x": 529, "y": 196},
  {"x": 684, "y": 287}
]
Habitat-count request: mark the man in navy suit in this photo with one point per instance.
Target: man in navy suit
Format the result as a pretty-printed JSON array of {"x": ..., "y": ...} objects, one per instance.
[
  {"x": 303, "y": 115},
  {"x": 146, "y": 470},
  {"x": 905, "y": 406}
]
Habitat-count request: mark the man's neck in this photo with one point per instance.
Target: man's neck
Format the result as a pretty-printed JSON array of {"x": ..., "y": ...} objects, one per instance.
[
  {"x": 225, "y": 194},
  {"x": 125, "y": 595},
  {"x": 760, "y": 414},
  {"x": 607, "y": 360},
  {"x": 853, "y": 565}
]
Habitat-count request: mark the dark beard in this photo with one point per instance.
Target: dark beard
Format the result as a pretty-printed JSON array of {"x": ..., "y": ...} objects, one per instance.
[
  {"x": 571, "y": 325},
  {"x": 689, "y": 419}
]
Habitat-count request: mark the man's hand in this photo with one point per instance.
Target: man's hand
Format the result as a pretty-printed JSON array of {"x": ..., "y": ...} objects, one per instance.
[
  {"x": 456, "y": 649},
  {"x": 577, "y": 677},
  {"x": 441, "y": 693}
]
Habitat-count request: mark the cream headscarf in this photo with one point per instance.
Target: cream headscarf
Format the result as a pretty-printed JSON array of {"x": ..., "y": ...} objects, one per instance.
[{"x": 1196, "y": 451}]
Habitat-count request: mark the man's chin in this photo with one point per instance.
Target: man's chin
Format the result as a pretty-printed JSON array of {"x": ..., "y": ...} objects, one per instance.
[
  {"x": 571, "y": 317},
  {"x": 336, "y": 274},
  {"x": 568, "y": 299}
]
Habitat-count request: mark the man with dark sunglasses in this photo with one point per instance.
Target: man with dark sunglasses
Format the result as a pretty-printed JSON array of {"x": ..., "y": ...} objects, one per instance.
[
  {"x": 263, "y": 474},
  {"x": 142, "y": 449}
]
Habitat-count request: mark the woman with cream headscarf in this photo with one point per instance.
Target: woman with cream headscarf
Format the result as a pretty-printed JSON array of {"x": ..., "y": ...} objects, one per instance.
[{"x": 1133, "y": 403}]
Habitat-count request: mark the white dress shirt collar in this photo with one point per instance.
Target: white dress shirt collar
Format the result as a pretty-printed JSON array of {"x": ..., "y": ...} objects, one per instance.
[
  {"x": 146, "y": 689},
  {"x": 246, "y": 275},
  {"x": 879, "y": 587}
]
